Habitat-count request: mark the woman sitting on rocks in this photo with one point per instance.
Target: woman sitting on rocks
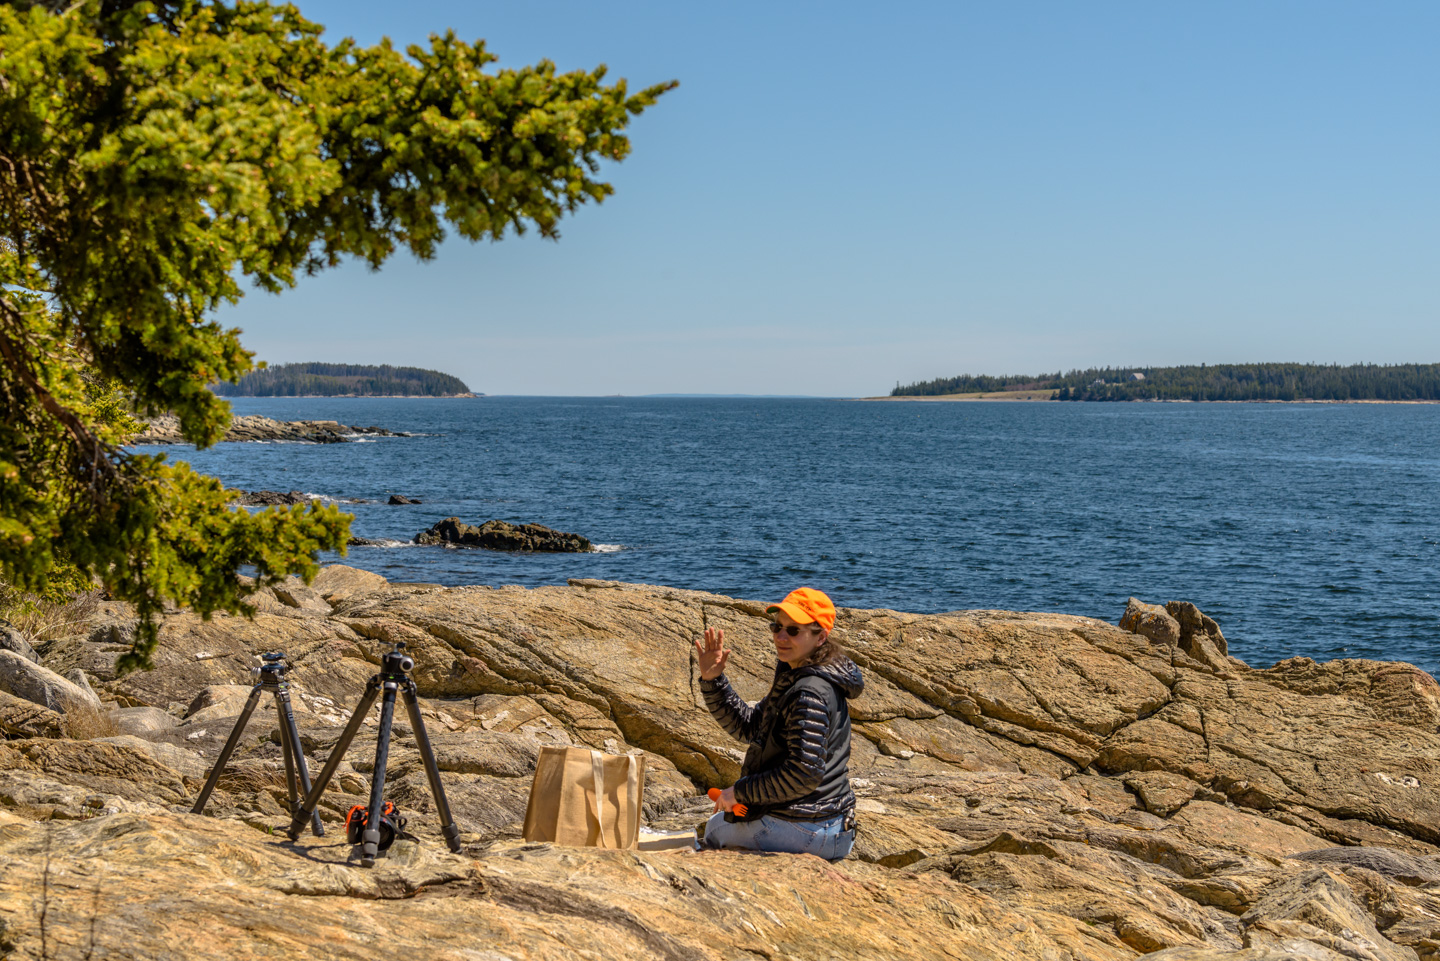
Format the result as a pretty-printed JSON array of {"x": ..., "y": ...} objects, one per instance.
[{"x": 795, "y": 782}]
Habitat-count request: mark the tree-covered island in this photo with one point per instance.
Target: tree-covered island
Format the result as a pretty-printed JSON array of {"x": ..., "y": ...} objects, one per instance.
[
  {"x": 344, "y": 380},
  {"x": 1255, "y": 382}
]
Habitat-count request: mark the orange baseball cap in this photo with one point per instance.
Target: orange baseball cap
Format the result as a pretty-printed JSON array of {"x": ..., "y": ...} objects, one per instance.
[{"x": 805, "y": 604}]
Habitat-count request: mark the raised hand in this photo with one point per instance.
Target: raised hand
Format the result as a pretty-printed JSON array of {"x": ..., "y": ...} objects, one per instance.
[{"x": 712, "y": 652}]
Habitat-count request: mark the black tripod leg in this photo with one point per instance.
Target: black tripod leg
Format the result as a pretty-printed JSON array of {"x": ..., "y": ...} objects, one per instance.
[
  {"x": 370, "y": 840},
  {"x": 285, "y": 751},
  {"x": 227, "y": 750},
  {"x": 432, "y": 770},
  {"x": 337, "y": 754},
  {"x": 294, "y": 759}
]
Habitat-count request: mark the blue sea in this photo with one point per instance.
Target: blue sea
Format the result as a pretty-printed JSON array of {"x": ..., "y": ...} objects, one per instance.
[{"x": 1304, "y": 529}]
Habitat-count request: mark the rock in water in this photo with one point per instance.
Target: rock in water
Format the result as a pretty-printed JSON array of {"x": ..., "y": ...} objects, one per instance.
[
  {"x": 166, "y": 430},
  {"x": 270, "y": 498},
  {"x": 402, "y": 499},
  {"x": 499, "y": 535}
]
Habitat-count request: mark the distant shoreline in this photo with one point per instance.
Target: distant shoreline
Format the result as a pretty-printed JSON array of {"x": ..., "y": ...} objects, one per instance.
[
  {"x": 1010, "y": 396},
  {"x": 346, "y": 396},
  {"x": 1026, "y": 396},
  {"x": 1286, "y": 382}
]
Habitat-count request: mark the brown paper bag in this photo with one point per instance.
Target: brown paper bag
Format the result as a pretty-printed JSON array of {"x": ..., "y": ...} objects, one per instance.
[{"x": 586, "y": 798}]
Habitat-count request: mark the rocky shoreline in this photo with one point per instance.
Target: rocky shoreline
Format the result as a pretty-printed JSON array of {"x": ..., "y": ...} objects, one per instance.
[
  {"x": 166, "y": 430},
  {"x": 1031, "y": 786}
]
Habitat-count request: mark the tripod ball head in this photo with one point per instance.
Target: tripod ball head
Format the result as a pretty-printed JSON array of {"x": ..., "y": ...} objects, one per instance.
[
  {"x": 396, "y": 661},
  {"x": 273, "y": 665}
]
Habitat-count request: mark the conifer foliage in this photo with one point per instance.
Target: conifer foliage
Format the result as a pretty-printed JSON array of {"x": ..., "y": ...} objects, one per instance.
[{"x": 158, "y": 155}]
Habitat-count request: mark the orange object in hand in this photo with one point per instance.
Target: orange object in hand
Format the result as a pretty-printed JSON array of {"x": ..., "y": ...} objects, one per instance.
[{"x": 738, "y": 810}]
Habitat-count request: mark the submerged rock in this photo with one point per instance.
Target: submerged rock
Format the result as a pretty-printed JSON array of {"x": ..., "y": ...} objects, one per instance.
[{"x": 499, "y": 535}]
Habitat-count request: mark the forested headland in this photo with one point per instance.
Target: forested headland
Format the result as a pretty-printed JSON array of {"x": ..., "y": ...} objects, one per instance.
[
  {"x": 1278, "y": 382},
  {"x": 344, "y": 380}
]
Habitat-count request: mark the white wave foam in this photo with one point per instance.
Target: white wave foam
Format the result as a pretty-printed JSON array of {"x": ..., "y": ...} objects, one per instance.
[
  {"x": 608, "y": 548},
  {"x": 331, "y": 499},
  {"x": 388, "y": 543}
]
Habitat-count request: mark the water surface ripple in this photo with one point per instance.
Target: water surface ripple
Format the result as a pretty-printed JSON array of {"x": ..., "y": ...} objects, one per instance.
[{"x": 1303, "y": 529}]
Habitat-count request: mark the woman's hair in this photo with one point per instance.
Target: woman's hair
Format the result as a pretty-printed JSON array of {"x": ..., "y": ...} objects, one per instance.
[{"x": 827, "y": 653}]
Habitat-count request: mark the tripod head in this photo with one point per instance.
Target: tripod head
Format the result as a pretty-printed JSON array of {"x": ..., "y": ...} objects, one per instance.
[
  {"x": 395, "y": 663},
  {"x": 273, "y": 665}
]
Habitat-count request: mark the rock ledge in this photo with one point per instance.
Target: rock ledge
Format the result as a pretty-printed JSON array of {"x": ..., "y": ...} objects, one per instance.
[
  {"x": 1029, "y": 786},
  {"x": 166, "y": 430}
]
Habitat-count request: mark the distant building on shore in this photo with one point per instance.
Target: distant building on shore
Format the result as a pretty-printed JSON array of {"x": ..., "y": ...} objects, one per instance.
[{"x": 1137, "y": 376}]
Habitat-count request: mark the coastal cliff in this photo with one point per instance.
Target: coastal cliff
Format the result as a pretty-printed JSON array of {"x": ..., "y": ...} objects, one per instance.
[{"x": 1030, "y": 786}]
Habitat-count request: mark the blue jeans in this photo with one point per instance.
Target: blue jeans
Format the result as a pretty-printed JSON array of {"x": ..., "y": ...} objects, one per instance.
[{"x": 827, "y": 839}]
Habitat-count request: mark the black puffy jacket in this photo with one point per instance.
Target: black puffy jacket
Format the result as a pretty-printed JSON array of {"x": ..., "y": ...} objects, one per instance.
[{"x": 798, "y": 763}]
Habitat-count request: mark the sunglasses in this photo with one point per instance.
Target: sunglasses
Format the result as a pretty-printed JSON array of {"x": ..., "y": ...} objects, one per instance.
[{"x": 776, "y": 627}]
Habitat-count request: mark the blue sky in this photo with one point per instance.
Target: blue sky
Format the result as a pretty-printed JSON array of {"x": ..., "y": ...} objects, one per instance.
[{"x": 842, "y": 196}]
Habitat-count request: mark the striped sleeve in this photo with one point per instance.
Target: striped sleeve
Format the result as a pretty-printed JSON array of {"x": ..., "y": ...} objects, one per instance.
[
  {"x": 806, "y": 728},
  {"x": 740, "y": 720}
]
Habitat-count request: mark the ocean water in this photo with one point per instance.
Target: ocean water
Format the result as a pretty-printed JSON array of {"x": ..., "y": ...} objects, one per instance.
[{"x": 1305, "y": 529}]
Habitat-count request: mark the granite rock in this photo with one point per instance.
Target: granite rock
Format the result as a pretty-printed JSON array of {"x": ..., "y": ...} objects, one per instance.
[
  {"x": 337, "y": 582},
  {"x": 271, "y": 498},
  {"x": 497, "y": 535},
  {"x": 166, "y": 430},
  {"x": 15, "y": 642},
  {"x": 35, "y": 682},
  {"x": 21, "y": 718},
  {"x": 1151, "y": 621},
  {"x": 1029, "y": 786}
]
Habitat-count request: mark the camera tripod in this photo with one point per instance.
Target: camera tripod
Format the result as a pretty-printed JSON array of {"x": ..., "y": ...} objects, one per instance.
[
  {"x": 272, "y": 679},
  {"x": 394, "y": 676}
]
